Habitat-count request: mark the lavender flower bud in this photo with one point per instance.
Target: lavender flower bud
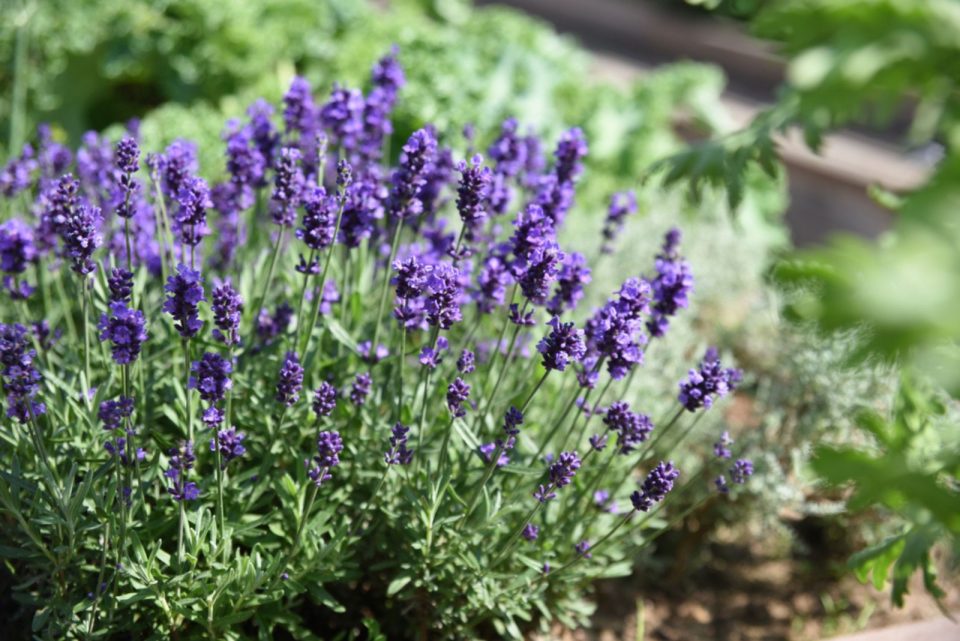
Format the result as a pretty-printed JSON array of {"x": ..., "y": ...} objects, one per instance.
[
  {"x": 184, "y": 292},
  {"x": 126, "y": 330},
  {"x": 290, "y": 380},
  {"x": 655, "y": 487}
]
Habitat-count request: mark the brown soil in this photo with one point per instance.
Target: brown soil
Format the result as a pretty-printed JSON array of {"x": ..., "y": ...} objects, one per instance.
[{"x": 745, "y": 594}]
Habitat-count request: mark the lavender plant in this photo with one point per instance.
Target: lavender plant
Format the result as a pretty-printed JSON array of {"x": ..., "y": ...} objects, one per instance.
[{"x": 412, "y": 439}]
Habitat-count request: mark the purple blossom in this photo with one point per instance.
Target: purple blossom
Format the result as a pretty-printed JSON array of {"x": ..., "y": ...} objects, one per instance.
[
  {"x": 583, "y": 549},
  {"x": 231, "y": 445},
  {"x": 457, "y": 394},
  {"x": 126, "y": 330},
  {"x": 562, "y": 472},
  {"x": 466, "y": 363},
  {"x": 531, "y": 230},
  {"x": 563, "y": 344},
  {"x": 269, "y": 327},
  {"x": 120, "y": 284},
  {"x": 598, "y": 442},
  {"x": 113, "y": 413},
  {"x": 672, "y": 285},
  {"x": 17, "y": 174},
  {"x": 614, "y": 331},
  {"x": 184, "y": 292},
  {"x": 530, "y": 532},
  {"x": 387, "y": 78},
  {"x": 443, "y": 296},
  {"x": 574, "y": 274},
  {"x": 399, "y": 453},
  {"x": 523, "y": 319},
  {"x": 362, "y": 208},
  {"x": 430, "y": 357},
  {"x": 622, "y": 204},
  {"x": 289, "y": 380},
  {"x": 411, "y": 277},
  {"x": 492, "y": 280},
  {"x": 512, "y": 421},
  {"x": 472, "y": 194},
  {"x": 702, "y": 386},
  {"x": 721, "y": 449},
  {"x": 543, "y": 267},
  {"x": 17, "y": 247},
  {"x": 655, "y": 487},
  {"x": 299, "y": 111},
  {"x": 508, "y": 151},
  {"x": 21, "y": 380},
  {"x": 721, "y": 484},
  {"x": 742, "y": 470},
  {"x": 80, "y": 237},
  {"x": 182, "y": 459},
  {"x": 177, "y": 162},
  {"x": 371, "y": 355},
  {"x": 410, "y": 177},
  {"x": 245, "y": 164},
  {"x": 487, "y": 451},
  {"x": 325, "y": 399},
  {"x": 264, "y": 135},
  {"x": 287, "y": 186},
  {"x": 227, "y": 306},
  {"x": 360, "y": 389},
  {"x": 342, "y": 115},
  {"x": 128, "y": 163},
  {"x": 571, "y": 150},
  {"x": 631, "y": 428},
  {"x": 191, "y": 218},
  {"x": 329, "y": 446},
  {"x": 319, "y": 219},
  {"x": 211, "y": 377}
]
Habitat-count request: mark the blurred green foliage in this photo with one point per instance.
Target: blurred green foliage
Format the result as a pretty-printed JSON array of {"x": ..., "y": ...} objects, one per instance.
[{"x": 869, "y": 61}]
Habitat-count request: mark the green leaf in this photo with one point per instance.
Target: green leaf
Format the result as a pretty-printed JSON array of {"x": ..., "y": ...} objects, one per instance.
[{"x": 398, "y": 584}]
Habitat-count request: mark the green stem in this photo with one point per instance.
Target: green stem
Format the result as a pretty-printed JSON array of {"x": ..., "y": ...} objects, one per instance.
[
  {"x": 423, "y": 405},
  {"x": 266, "y": 284},
  {"x": 186, "y": 388},
  {"x": 303, "y": 296},
  {"x": 587, "y": 419},
  {"x": 478, "y": 423},
  {"x": 386, "y": 283},
  {"x": 219, "y": 464},
  {"x": 86, "y": 339}
]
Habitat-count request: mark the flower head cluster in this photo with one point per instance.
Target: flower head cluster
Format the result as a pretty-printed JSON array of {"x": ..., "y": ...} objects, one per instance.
[
  {"x": 329, "y": 446},
  {"x": 711, "y": 381},
  {"x": 21, "y": 379},
  {"x": 431, "y": 357},
  {"x": 193, "y": 199},
  {"x": 443, "y": 296},
  {"x": 530, "y": 532},
  {"x": 614, "y": 332},
  {"x": 631, "y": 428},
  {"x": 324, "y": 399},
  {"x": 411, "y": 176},
  {"x": 287, "y": 185},
  {"x": 289, "y": 380},
  {"x": 230, "y": 443},
  {"x": 128, "y": 162},
  {"x": 319, "y": 219},
  {"x": 17, "y": 247},
  {"x": 655, "y": 487},
  {"x": 80, "y": 236},
  {"x": 574, "y": 274},
  {"x": 112, "y": 413},
  {"x": 562, "y": 345},
  {"x": 182, "y": 459},
  {"x": 542, "y": 268},
  {"x": 342, "y": 116},
  {"x": 399, "y": 453},
  {"x": 360, "y": 389},
  {"x": 721, "y": 449},
  {"x": 672, "y": 285},
  {"x": 120, "y": 284},
  {"x": 622, "y": 204},
  {"x": 457, "y": 394},
  {"x": 211, "y": 377},
  {"x": 227, "y": 308},
  {"x": 184, "y": 292},
  {"x": 562, "y": 472},
  {"x": 126, "y": 330},
  {"x": 742, "y": 470},
  {"x": 472, "y": 194},
  {"x": 387, "y": 78},
  {"x": 466, "y": 362}
]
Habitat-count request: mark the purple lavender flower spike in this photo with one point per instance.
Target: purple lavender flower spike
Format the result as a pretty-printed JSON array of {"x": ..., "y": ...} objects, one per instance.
[
  {"x": 574, "y": 274},
  {"x": 622, "y": 204},
  {"x": 329, "y": 446},
  {"x": 508, "y": 151},
  {"x": 290, "y": 380},
  {"x": 488, "y": 449},
  {"x": 721, "y": 449},
  {"x": 319, "y": 219},
  {"x": 211, "y": 377},
  {"x": 126, "y": 330},
  {"x": 120, "y": 284},
  {"x": 387, "y": 78},
  {"x": 264, "y": 135},
  {"x": 231, "y": 445},
  {"x": 342, "y": 116},
  {"x": 524, "y": 320},
  {"x": 443, "y": 298},
  {"x": 410, "y": 177},
  {"x": 571, "y": 150},
  {"x": 112, "y": 413},
  {"x": 287, "y": 187},
  {"x": 431, "y": 357},
  {"x": 655, "y": 487},
  {"x": 17, "y": 247},
  {"x": 742, "y": 470},
  {"x": 631, "y": 428},
  {"x": 399, "y": 453},
  {"x": 457, "y": 394},
  {"x": 17, "y": 175},
  {"x": 325, "y": 399},
  {"x": 598, "y": 442},
  {"x": 245, "y": 164},
  {"x": 672, "y": 285},
  {"x": 531, "y": 532},
  {"x": 21, "y": 380},
  {"x": 128, "y": 162},
  {"x": 512, "y": 421},
  {"x": 562, "y": 345},
  {"x": 562, "y": 472},
  {"x": 721, "y": 484},
  {"x": 371, "y": 355},
  {"x": 466, "y": 363},
  {"x": 299, "y": 111},
  {"x": 80, "y": 236},
  {"x": 190, "y": 221},
  {"x": 360, "y": 389},
  {"x": 492, "y": 281},
  {"x": 182, "y": 459},
  {"x": 472, "y": 194},
  {"x": 227, "y": 309},
  {"x": 543, "y": 267},
  {"x": 583, "y": 549},
  {"x": 704, "y": 385},
  {"x": 184, "y": 292}
]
